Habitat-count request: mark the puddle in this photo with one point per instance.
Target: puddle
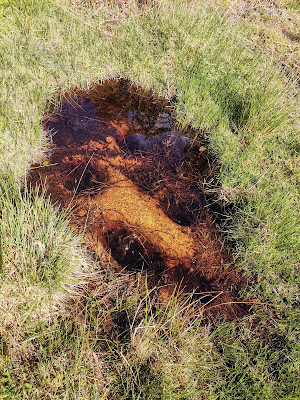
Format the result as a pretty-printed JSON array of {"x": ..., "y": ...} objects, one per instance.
[{"x": 131, "y": 180}]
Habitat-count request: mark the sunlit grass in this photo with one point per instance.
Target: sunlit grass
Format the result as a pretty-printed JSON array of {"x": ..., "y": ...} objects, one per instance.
[{"x": 193, "y": 53}]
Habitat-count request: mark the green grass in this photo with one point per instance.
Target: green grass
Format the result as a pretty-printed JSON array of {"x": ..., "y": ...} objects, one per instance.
[
  {"x": 56, "y": 339},
  {"x": 271, "y": 27}
]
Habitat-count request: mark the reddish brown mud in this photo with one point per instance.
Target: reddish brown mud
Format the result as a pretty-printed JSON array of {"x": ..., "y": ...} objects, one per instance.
[{"x": 132, "y": 181}]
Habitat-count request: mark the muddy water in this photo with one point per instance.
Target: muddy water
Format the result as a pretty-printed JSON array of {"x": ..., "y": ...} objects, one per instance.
[{"x": 133, "y": 181}]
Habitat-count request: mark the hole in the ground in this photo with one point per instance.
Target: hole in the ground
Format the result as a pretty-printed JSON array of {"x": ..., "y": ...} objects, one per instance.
[
  {"x": 133, "y": 181},
  {"x": 132, "y": 250},
  {"x": 86, "y": 179}
]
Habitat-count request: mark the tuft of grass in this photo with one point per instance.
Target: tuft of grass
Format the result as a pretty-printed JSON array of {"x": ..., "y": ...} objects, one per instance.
[
  {"x": 42, "y": 266},
  {"x": 38, "y": 247}
]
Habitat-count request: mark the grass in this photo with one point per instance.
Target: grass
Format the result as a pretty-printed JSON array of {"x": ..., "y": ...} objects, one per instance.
[
  {"x": 271, "y": 27},
  {"x": 60, "y": 340}
]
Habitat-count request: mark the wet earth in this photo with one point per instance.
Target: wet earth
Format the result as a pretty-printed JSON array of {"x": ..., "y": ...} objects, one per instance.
[{"x": 132, "y": 180}]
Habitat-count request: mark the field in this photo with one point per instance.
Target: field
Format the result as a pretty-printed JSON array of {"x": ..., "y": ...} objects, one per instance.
[{"x": 71, "y": 326}]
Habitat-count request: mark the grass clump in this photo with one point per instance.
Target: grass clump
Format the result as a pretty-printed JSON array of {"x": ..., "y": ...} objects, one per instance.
[
  {"x": 37, "y": 246},
  {"x": 42, "y": 266},
  {"x": 60, "y": 338}
]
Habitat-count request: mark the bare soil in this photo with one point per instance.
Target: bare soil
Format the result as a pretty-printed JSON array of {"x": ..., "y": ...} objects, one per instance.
[{"x": 131, "y": 180}]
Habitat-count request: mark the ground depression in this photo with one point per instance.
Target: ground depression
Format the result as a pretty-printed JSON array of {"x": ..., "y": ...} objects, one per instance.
[{"x": 133, "y": 181}]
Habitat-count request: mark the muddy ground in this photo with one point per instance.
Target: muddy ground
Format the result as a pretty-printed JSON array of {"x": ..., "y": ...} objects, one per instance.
[{"x": 132, "y": 181}]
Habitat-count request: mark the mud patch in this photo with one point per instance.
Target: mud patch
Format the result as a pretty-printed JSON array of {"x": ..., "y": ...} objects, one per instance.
[{"x": 133, "y": 181}]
